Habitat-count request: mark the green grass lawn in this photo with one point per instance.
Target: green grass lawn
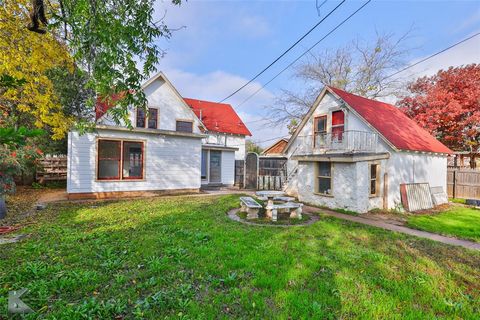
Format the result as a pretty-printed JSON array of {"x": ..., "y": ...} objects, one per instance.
[
  {"x": 458, "y": 221},
  {"x": 181, "y": 257}
]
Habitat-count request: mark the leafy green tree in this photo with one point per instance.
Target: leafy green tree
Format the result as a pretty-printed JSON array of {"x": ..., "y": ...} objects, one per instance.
[
  {"x": 106, "y": 39},
  {"x": 253, "y": 147}
]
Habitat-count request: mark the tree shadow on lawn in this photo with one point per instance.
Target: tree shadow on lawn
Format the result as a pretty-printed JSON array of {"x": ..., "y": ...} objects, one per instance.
[{"x": 169, "y": 255}]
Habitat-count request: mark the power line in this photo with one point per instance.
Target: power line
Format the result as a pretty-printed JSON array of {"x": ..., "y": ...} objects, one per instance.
[
  {"x": 432, "y": 55},
  {"x": 304, "y": 53},
  {"x": 284, "y": 53},
  {"x": 393, "y": 74}
]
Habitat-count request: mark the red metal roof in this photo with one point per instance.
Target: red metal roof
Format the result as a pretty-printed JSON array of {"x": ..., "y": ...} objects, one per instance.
[
  {"x": 393, "y": 124},
  {"x": 218, "y": 117}
]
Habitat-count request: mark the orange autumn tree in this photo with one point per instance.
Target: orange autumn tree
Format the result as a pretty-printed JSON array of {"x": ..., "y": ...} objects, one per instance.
[
  {"x": 447, "y": 104},
  {"x": 25, "y": 57}
]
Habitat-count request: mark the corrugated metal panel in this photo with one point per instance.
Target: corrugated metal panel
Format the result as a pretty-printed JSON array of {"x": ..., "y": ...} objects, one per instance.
[{"x": 417, "y": 196}]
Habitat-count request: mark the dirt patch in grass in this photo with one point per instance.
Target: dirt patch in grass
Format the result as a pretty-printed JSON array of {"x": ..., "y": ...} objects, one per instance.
[{"x": 20, "y": 206}]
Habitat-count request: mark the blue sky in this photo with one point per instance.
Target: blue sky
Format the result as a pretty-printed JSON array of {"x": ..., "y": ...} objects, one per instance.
[{"x": 225, "y": 43}]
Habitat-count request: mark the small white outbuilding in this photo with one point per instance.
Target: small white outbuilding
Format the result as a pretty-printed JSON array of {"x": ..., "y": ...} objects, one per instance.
[{"x": 353, "y": 153}]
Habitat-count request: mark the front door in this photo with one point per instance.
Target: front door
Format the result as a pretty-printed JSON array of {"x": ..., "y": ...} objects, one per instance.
[{"x": 215, "y": 166}]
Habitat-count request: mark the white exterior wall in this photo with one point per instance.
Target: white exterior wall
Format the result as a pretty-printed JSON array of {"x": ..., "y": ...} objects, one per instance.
[
  {"x": 350, "y": 187},
  {"x": 170, "y": 163},
  {"x": 237, "y": 142},
  {"x": 170, "y": 107},
  {"x": 411, "y": 167}
]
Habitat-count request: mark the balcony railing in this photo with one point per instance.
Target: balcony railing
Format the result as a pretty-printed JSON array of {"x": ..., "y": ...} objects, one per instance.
[{"x": 344, "y": 142}]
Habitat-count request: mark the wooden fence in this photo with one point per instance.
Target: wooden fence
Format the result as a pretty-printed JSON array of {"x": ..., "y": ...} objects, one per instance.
[
  {"x": 52, "y": 168},
  {"x": 463, "y": 183},
  {"x": 261, "y": 173}
]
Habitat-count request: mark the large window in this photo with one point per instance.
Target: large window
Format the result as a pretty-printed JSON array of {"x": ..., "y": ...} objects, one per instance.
[
  {"x": 338, "y": 125},
  {"x": 184, "y": 126},
  {"x": 374, "y": 179},
  {"x": 319, "y": 129},
  {"x": 324, "y": 178},
  {"x": 143, "y": 121},
  {"x": 119, "y": 160}
]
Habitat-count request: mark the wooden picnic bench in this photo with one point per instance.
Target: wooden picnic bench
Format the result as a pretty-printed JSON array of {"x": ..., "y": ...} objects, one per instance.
[
  {"x": 294, "y": 208},
  {"x": 250, "y": 206}
]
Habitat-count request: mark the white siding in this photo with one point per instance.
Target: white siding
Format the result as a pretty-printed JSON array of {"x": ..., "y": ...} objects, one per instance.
[
  {"x": 237, "y": 142},
  {"x": 228, "y": 167},
  {"x": 170, "y": 107},
  {"x": 170, "y": 163}
]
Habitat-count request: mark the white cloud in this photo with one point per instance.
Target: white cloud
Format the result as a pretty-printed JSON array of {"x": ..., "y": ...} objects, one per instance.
[{"x": 465, "y": 53}]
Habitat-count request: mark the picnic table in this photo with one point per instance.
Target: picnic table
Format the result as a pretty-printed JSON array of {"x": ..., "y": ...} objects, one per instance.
[
  {"x": 295, "y": 209},
  {"x": 270, "y": 195}
]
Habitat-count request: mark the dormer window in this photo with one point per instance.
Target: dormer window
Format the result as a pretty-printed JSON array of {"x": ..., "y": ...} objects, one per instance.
[{"x": 143, "y": 121}]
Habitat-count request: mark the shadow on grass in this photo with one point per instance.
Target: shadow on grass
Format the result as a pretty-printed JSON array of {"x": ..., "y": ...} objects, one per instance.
[{"x": 142, "y": 258}]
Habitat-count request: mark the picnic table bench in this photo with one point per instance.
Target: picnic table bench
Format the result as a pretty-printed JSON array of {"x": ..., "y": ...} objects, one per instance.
[
  {"x": 294, "y": 208},
  {"x": 250, "y": 206}
]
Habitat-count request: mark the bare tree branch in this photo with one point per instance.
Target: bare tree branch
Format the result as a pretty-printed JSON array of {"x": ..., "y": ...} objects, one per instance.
[{"x": 358, "y": 67}]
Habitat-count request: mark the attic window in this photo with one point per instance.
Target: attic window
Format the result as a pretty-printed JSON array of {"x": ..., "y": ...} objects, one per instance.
[{"x": 184, "y": 126}]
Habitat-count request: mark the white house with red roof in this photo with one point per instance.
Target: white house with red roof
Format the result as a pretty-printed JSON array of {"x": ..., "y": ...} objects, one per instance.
[
  {"x": 353, "y": 153},
  {"x": 179, "y": 145}
]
